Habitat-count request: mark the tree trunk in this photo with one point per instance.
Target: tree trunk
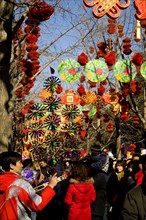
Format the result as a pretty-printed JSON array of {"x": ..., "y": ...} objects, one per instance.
[
  {"x": 6, "y": 88},
  {"x": 118, "y": 138}
]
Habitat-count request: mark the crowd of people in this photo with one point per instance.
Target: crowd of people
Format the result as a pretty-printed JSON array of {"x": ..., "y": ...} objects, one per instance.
[{"x": 97, "y": 187}]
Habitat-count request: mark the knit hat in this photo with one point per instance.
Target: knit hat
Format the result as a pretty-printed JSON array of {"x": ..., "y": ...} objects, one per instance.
[{"x": 100, "y": 162}]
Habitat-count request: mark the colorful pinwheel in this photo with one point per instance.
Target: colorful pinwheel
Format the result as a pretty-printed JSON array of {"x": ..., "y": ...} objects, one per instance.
[
  {"x": 52, "y": 121},
  {"x": 96, "y": 70},
  {"x": 143, "y": 69},
  {"x": 51, "y": 104},
  {"x": 70, "y": 111},
  {"x": 124, "y": 71},
  {"x": 69, "y": 70},
  {"x": 51, "y": 83}
]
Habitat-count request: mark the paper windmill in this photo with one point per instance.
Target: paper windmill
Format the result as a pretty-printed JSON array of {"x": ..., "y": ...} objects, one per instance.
[
  {"x": 96, "y": 70},
  {"x": 52, "y": 122},
  {"x": 70, "y": 111},
  {"x": 51, "y": 83},
  {"x": 124, "y": 71},
  {"x": 69, "y": 70},
  {"x": 143, "y": 69}
]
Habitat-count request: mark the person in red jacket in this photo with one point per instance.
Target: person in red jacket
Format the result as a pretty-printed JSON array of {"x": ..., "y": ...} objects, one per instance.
[
  {"x": 80, "y": 194},
  {"x": 17, "y": 197}
]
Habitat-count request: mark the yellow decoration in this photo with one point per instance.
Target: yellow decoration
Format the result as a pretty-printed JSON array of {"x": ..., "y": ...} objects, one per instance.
[
  {"x": 90, "y": 97},
  {"x": 44, "y": 94}
]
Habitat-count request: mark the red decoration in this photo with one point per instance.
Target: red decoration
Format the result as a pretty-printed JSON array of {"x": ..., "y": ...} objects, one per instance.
[
  {"x": 102, "y": 49},
  {"x": 41, "y": 11},
  {"x": 82, "y": 79},
  {"x": 31, "y": 39},
  {"x": 83, "y": 133},
  {"x": 52, "y": 70},
  {"x": 81, "y": 90},
  {"x": 124, "y": 117},
  {"x": 137, "y": 59},
  {"x": 101, "y": 89},
  {"x": 83, "y": 59},
  {"x": 135, "y": 119},
  {"x": 141, "y": 9},
  {"x": 70, "y": 98},
  {"x": 92, "y": 84},
  {"x": 133, "y": 86},
  {"x": 91, "y": 49},
  {"x": 110, "y": 58},
  {"x": 82, "y": 102},
  {"x": 111, "y": 8},
  {"x": 24, "y": 111},
  {"x": 59, "y": 89},
  {"x": 30, "y": 47}
]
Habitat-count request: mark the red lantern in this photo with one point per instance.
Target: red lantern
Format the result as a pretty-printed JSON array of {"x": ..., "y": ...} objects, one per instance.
[
  {"x": 70, "y": 98},
  {"x": 81, "y": 90},
  {"x": 83, "y": 59}
]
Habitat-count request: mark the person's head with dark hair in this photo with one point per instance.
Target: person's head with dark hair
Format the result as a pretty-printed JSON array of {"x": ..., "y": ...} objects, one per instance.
[
  {"x": 132, "y": 168},
  {"x": 81, "y": 172},
  {"x": 27, "y": 163},
  {"x": 43, "y": 162},
  {"x": 120, "y": 165},
  {"x": 136, "y": 156},
  {"x": 9, "y": 160}
]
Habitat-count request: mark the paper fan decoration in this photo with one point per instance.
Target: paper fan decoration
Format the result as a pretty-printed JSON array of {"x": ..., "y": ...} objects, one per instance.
[
  {"x": 96, "y": 70},
  {"x": 124, "y": 71},
  {"x": 69, "y": 70},
  {"x": 143, "y": 69}
]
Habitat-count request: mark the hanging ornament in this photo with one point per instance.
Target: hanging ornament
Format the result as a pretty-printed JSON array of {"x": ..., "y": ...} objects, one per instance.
[
  {"x": 70, "y": 97},
  {"x": 70, "y": 112},
  {"x": 96, "y": 70},
  {"x": 83, "y": 59},
  {"x": 140, "y": 6},
  {"x": 137, "y": 37},
  {"x": 83, "y": 133},
  {"x": 124, "y": 70},
  {"x": 52, "y": 83},
  {"x": 69, "y": 70},
  {"x": 90, "y": 97},
  {"x": 102, "y": 7}
]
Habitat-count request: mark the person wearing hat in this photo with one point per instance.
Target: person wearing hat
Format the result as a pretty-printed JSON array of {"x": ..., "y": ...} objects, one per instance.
[{"x": 100, "y": 165}]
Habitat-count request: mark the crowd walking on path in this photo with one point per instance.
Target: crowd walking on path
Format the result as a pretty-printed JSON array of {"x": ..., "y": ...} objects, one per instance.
[{"x": 97, "y": 187}]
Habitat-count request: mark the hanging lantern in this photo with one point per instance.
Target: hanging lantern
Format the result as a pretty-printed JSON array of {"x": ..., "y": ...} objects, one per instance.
[
  {"x": 110, "y": 127},
  {"x": 70, "y": 98},
  {"x": 135, "y": 119}
]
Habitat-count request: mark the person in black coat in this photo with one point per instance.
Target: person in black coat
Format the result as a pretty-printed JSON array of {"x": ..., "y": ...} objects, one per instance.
[
  {"x": 134, "y": 207},
  {"x": 99, "y": 167}
]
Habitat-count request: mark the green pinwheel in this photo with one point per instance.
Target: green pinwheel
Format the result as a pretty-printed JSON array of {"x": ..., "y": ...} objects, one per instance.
[
  {"x": 124, "y": 71},
  {"x": 143, "y": 69},
  {"x": 96, "y": 70},
  {"x": 69, "y": 70}
]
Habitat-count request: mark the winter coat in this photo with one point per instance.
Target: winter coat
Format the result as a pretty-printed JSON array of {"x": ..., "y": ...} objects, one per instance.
[
  {"x": 100, "y": 185},
  {"x": 18, "y": 198},
  {"x": 138, "y": 177},
  {"x": 134, "y": 207},
  {"x": 79, "y": 197}
]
